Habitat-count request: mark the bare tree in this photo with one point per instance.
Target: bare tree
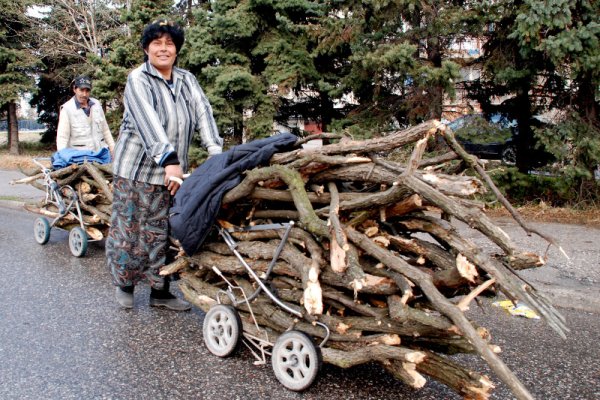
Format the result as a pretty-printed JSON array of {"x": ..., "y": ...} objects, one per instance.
[{"x": 78, "y": 28}]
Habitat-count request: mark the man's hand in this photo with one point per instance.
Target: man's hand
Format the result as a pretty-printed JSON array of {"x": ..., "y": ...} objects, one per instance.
[{"x": 173, "y": 178}]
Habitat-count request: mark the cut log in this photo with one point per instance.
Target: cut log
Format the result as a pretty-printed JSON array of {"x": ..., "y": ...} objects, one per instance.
[{"x": 470, "y": 384}]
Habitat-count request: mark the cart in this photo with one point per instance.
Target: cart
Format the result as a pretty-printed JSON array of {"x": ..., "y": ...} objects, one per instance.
[
  {"x": 295, "y": 358},
  {"x": 67, "y": 202}
]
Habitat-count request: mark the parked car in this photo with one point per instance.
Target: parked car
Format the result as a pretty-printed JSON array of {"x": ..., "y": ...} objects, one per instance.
[
  {"x": 493, "y": 137},
  {"x": 489, "y": 138}
]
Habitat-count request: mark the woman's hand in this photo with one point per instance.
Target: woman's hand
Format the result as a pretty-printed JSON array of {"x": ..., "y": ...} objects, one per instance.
[{"x": 173, "y": 178}]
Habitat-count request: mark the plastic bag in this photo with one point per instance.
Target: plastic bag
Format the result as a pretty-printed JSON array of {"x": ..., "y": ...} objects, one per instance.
[{"x": 519, "y": 309}]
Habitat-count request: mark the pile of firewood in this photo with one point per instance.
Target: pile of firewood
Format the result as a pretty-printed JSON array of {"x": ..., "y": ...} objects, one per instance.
[
  {"x": 374, "y": 254},
  {"x": 92, "y": 184}
]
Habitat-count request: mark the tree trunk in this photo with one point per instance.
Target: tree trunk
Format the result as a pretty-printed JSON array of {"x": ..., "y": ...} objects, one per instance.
[
  {"x": 585, "y": 99},
  {"x": 326, "y": 111},
  {"x": 13, "y": 128},
  {"x": 238, "y": 125},
  {"x": 436, "y": 93},
  {"x": 522, "y": 112}
]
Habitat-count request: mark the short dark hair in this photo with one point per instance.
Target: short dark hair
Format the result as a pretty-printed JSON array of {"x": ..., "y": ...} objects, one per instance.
[{"x": 157, "y": 29}]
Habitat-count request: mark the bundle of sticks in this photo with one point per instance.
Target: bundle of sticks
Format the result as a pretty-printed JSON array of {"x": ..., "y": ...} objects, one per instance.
[
  {"x": 375, "y": 254},
  {"x": 92, "y": 182}
]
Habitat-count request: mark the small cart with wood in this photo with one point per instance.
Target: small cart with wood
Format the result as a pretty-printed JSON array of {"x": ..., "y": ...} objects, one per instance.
[
  {"x": 77, "y": 199},
  {"x": 65, "y": 199}
]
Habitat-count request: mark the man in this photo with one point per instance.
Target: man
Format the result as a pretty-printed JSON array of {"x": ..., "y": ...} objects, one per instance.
[{"x": 82, "y": 124}]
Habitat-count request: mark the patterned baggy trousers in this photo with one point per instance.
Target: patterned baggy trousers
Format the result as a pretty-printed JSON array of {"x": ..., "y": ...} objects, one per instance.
[{"x": 138, "y": 235}]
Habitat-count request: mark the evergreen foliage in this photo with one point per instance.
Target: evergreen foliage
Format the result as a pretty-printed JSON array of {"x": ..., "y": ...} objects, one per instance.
[
  {"x": 251, "y": 57},
  {"x": 400, "y": 65},
  {"x": 17, "y": 64},
  {"x": 53, "y": 91},
  {"x": 363, "y": 66},
  {"x": 542, "y": 54},
  {"x": 567, "y": 33},
  {"x": 124, "y": 54}
]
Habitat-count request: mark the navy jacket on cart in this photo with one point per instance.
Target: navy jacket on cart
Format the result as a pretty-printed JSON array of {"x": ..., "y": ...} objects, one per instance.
[{"x": 198, "y": 200}]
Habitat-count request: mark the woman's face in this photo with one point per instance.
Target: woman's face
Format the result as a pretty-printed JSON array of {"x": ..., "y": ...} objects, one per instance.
[{"x": 162, "y": 54}]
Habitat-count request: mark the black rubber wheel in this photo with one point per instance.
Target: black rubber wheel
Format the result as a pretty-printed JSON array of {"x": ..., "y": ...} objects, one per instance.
[
  {"x": 296, "y": 360},
  {"x": 41, "y": 230},
  {"x": 78, "y": 241},
  {"x": 222, "y": 330}
]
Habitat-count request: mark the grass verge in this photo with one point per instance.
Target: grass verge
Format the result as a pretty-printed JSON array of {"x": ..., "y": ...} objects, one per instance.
[
  {"x": 541, "y": 212},
  {"x": 28, "y": 150},
  {"x": 10, "y": 198}
]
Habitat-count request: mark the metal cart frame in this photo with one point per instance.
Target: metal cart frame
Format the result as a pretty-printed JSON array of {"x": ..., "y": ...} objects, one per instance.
[
  {"x": 294, "y": 357},
  {"x": 66, "y": 200}
]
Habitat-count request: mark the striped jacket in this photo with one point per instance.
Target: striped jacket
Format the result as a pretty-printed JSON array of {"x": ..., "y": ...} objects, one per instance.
[{"x": 160, "y": 120}]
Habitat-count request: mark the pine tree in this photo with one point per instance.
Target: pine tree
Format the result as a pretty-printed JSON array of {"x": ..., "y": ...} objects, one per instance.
[
  {"x": 125, "y": 53},
  {"x": 53, "y": 90},
  {"x": 567, "y": 34},
  {"x": 252, "y": 57},
  {"x": 394, "y": 57},
  {"x": 300, "y": 58},
  {"x": 16, "y": 64},
  {"x": 540, "y": 55},
  {"x": 507, "y": 73}
]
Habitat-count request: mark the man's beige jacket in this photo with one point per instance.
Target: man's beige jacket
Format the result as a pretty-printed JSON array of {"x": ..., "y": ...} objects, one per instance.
[{"x": 77, "y": 130}]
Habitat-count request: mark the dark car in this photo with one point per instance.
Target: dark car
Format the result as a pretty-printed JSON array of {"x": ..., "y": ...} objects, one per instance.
[
  {"x": 493, "y": 137},
  {"x": 489, "y": 138}
]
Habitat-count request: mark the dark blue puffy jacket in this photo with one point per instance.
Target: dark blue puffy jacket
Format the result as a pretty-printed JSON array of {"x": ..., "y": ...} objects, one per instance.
[{"x": 198, "y": 200}]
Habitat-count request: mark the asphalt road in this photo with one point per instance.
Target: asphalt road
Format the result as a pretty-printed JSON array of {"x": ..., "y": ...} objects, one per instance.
[{"x": 62, "y": 336}]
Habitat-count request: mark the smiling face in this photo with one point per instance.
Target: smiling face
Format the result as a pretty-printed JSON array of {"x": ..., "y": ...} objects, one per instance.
[{"x": 162, "y": 54}]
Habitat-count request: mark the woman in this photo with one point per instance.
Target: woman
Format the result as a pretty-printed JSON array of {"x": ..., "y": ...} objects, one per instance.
[{"x": 164, "y": 106}]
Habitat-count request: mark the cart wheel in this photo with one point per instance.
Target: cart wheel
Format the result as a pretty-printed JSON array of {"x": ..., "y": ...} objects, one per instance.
[
  {"x": 222, "y": 330},
  {"x": 78, "y": 241},
  {"x": 296, "y": 360},
  {"x": 41, "y": 230}
]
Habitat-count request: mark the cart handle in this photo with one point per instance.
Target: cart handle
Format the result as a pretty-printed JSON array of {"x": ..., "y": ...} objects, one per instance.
[
  {"x": 231, "y": 244},
  {"x": 37, "y": 160}
]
